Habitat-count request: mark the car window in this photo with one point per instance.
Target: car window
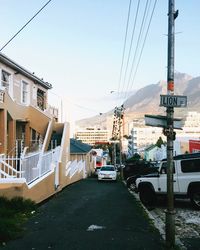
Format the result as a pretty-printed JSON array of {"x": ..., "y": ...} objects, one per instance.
[
  {"x": 107, "y": 168},
  {"x": 188, "y": 166},
  {"x": 163, "y": 169}
]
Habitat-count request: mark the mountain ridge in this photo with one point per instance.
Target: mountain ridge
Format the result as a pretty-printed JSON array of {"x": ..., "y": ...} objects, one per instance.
[{"x": 146, "y": 101}]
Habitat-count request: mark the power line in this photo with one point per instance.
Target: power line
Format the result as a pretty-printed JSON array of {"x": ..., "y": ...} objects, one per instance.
[
  {"x": 124, "y": 48},
  {"x": 137, "y": 45},
  {"x": 76, "y": 104},
  {"x": 130, "y": 48},
  {"x": 25, "y": 25},
  {"x": 147, "y": 31}
]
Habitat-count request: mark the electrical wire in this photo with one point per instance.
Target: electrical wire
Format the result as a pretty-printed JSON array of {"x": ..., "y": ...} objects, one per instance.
[
  {"x": 131, "y": 43},
  {"x": 77, "y": 105},
  {"x": 124, "y": 47},
  {"x": 25, "y": 25},
  {"x": 137, "y": 46},
  {"x": 147, "y": 31}
]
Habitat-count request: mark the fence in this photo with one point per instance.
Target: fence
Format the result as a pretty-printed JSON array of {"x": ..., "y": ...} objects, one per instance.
[
  {"x": 74, "y": 167},
  {"x": 31, "y": 166},
  {"x": 9, "y": 167}
]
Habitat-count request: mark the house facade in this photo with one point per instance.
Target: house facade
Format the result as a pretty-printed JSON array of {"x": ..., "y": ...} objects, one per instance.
[
  {"x": 23, "y": 102},
  {"x": 34, "y": 146}
]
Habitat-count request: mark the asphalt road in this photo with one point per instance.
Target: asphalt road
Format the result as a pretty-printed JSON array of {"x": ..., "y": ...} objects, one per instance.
[{"x": 90, "y": 215}]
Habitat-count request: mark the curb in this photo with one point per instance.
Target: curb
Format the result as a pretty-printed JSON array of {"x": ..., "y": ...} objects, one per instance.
[{"x": 157, "y": 222}]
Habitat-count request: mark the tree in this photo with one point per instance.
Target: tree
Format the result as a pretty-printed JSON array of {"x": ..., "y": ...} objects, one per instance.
[
  {"x": 136, "y": 157},
  {"x": 159, "y": 142}
]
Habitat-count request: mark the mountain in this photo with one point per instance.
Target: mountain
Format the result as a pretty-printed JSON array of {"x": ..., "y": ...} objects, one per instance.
[{"x": 146, "y": 101}]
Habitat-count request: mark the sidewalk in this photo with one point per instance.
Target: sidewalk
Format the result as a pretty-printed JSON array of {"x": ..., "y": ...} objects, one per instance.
[{"x": 90, "y": 215}]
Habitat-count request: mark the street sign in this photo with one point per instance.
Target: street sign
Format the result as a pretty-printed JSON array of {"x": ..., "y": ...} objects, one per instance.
[
  {"x": 161, "y": 121},
  {"x": 177, "y": 101}
]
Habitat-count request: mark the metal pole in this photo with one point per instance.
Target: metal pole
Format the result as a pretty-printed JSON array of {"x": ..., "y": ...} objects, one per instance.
[
  {"x": 114, "y": 144},
  {"x": 170, "y": 212}
]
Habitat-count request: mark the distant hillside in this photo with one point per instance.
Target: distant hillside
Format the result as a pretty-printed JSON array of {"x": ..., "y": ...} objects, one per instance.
[{"x": 146, "y": 101}]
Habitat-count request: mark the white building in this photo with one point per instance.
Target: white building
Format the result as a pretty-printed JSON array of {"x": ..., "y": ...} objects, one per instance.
[
  {"x": 191, "y": 128},
  {"x": 92, "y": 136},
  {"x": 143, "y": 136}
]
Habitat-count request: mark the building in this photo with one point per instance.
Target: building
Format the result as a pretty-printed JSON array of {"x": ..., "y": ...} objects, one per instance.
[
  {"x": 154, "y": 153},
  {"x": 35, "y": 156},
  {"x": 192, "y": 119},
  {"x": 194, "y": 146},
  {"x": 191, "y": 127},
  {"x": 82, "y": 153},
  {"x": 92, "y": 136},
  {"x": 23, "y": 102},
  {"x": 143, "y": 136}
]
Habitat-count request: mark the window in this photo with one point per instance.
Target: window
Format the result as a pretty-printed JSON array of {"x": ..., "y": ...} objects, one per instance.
[
  {"x": 24, "y": 92},
  {"x": 41, "y": 99},
  {"x": 192, "y": 165},
  {"x": 5, "y": 79},
  {"x": 163, "y": 169}
]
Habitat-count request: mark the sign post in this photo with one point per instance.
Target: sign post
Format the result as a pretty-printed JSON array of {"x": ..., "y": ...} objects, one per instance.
[{"x": 170, "y": 212}]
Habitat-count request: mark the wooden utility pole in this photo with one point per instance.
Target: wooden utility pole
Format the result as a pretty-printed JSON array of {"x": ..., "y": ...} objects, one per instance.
[{"x": 170, "y": 212}]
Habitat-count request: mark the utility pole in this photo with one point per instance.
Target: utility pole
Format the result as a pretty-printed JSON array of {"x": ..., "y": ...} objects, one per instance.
[
  {"x": 117, "y": 131},
  {"x": 114, "y": 154},
  {"x": 170, "y": 212}
]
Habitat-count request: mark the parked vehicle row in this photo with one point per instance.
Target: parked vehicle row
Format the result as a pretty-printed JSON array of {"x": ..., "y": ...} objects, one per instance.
[{"x": 186, "y": 180}]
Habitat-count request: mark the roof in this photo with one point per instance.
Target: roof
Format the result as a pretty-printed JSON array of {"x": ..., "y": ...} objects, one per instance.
[
  {"x": 185, "y": 156},
  {"x": 78, "y": 147},
  {"x": 19, "y": 69},
  {"x": 150, "y": 147}
]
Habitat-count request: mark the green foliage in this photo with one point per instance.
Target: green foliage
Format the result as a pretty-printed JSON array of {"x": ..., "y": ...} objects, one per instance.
[
  {"x": 13, "y": 213},
  {"x": 135, "y": 157},
  {"x": 159, "y": 142}
]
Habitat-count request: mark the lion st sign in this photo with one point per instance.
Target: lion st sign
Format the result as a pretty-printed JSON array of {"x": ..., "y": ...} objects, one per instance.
[{"x": 176, "y": 101}]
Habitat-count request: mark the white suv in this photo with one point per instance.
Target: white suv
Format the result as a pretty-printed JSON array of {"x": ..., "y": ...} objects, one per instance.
[{"x": 186, "y": 180}]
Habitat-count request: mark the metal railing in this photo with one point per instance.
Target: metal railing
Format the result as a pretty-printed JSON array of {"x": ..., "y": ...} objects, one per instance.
[
  {"x": 31, "y": 166},
  {"x": 10, "y": 167},
  {"x": 75, "y": 167}
]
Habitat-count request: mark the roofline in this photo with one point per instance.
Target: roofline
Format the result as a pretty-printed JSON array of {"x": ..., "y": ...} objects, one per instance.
[
  {"x": 84, "y": 153},
  {"x": 4, "y": 59}
]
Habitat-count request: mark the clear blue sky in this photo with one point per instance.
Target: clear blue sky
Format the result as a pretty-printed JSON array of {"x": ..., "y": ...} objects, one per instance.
[{"x": 77, "y": 46}]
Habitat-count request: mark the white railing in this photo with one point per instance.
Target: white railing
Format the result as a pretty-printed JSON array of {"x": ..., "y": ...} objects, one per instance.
[
  {"x": 10, "y": 167},
  {"x": 31, "y": 166},
  {"x": 75, "y": 167},
  {"x": 43, "y": 163}
]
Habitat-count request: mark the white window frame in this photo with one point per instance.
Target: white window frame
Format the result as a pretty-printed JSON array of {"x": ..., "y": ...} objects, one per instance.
[
  {"x": 10, "y": 83},
  {"x": 27, "y": 101}
]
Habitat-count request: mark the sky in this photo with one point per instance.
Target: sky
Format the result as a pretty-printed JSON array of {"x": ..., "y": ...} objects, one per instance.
[{"x": 77, "y": 46}]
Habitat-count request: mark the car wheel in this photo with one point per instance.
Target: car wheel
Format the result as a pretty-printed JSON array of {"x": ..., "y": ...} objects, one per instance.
[
  {"x": 195, "y": 198},
  {"x": 147, "y": 196}
]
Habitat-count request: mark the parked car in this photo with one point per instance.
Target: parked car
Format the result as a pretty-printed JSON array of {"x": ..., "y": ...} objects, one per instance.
[
  {"x": 135, "y": 167},
  {"x": 186, "y": 180},
  {"x": 139, "y": 172},
  {"x": 107, "y": 172}
]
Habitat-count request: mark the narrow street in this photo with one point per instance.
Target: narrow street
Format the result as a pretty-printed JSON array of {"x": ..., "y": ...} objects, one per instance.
[{"x": 90, "y": 215}]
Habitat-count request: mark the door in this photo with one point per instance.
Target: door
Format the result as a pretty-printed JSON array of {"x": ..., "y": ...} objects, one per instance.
[{"x": 163, "y": 179}]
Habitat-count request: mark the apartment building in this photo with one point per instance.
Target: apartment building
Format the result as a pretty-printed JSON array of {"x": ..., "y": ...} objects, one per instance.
[
  {"x": 92, "y": 136},
  {"x": 191, "y": 127},
  {"x": 143, "y": 136},
  {"x": 24, "y": 112},
  {"x": 35, "y": 148}
]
